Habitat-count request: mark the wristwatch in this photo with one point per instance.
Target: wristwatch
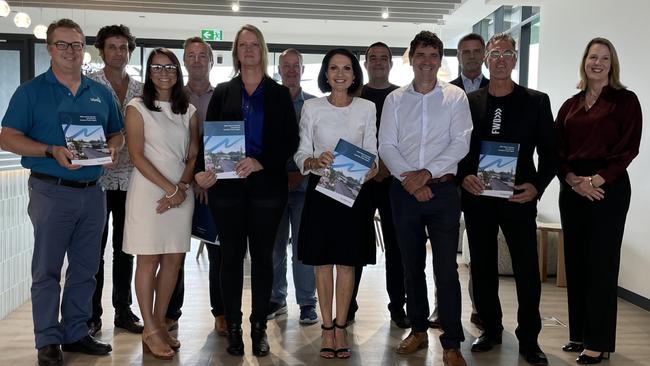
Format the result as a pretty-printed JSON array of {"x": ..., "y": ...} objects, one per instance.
[
  {"x": 186, "y": 186},
  {"x": 49, "y": 151}
]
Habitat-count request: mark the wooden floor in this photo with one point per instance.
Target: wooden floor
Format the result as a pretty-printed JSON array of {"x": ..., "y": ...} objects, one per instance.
[{"x": 373, "y": 338}]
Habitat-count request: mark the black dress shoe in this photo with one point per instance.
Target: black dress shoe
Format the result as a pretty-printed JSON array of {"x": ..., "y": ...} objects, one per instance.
[
  {"x": 129, "y": 322},
  {"x": 486, "y": 342},
  {"x": 401, "y": 320},
  {"x": 573, "y": 347},
  {"x": 50, "y": 355},
  {"x": 590, "y": 360},
  {"x": 94, "y": 326},
  {"x": 260, "y": 341},
  {"x": 533, "y": 355},
  {"x": 89, "y": 346},
  {"x": 235, "y": 340}
]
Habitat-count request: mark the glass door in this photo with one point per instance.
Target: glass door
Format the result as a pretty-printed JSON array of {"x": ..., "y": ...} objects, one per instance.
[{"x": 10, "y": 75}]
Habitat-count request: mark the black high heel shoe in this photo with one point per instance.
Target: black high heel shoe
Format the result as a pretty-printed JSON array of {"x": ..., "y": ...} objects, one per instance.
[
  {"x": 573, "y": 347},
  {"x": 344, "y": 352},
  {"x": 326, "y": 352},
  {"x": 590, "y": 360}
]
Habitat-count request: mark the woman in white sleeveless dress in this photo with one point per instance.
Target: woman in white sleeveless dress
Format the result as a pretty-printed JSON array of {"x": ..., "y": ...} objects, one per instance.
[{"x": 162, "y": 131}]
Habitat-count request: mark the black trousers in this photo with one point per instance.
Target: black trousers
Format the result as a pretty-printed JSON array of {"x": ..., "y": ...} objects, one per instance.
[
  {"x": 483, "y": 217},
  {"x": 214, "y": 278},
  {"x": 247, "y": 222},
  {"x": 593, "y": 234},
  {"x": 394, "y": 269},
  {"x": 122, "y": 262},
  {"x": 440, "y": 216}
]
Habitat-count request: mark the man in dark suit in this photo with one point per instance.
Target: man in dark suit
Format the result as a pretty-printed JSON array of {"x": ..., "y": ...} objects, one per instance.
[
  {"x": 507, "y": 113},
  {"x": 471, "y": 49}
]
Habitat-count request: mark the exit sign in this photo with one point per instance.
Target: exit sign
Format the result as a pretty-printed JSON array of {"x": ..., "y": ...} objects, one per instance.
[{"x": 212, "y": 35}]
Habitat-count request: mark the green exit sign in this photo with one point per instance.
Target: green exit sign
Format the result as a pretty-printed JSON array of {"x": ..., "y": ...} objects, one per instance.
[{"x": 212, "y": 35}]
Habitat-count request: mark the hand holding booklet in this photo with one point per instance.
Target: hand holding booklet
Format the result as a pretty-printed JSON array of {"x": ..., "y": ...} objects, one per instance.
[
  {"x": 85, "y": 138},
  {"x": 225, "y": 146},
  {"x": 497, "y": 166},
  {"x": 343, "y": 179}
]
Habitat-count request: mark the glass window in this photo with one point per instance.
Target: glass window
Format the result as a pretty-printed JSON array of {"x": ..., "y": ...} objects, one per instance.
[
  {"x": 533, "y": 59},
  {"x": 402, "y": 73},
  {"x": 42, "y": 61},
  {"x": 41, "y": 58},
  {"x": 309, "y": 81},
  {"x": 9, "y": 77},
  {"x": 222, "y": 68}
]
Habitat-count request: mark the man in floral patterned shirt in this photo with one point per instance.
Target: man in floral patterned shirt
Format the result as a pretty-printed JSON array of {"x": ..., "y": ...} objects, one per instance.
[{"x": 115, "y": 44}]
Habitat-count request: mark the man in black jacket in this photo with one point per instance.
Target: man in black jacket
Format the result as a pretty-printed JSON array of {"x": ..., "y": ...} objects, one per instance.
[
  {"x": 471, "y": 49},
  {"x": 507, "y": 113}
]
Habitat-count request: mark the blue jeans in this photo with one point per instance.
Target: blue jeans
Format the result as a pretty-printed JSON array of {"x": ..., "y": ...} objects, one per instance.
[
  {"x": 66, "y": 221},
  {"x": 303, "y": 275}
]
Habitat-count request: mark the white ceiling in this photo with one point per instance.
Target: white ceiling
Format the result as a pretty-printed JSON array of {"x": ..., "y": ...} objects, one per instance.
[
  {"x": 148, "y": 20},
  {"x": 417, "y": 11}
]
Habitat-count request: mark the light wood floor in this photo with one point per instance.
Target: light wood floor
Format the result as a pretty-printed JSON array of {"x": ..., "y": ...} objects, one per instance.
[{"x": 373, "y": 338}]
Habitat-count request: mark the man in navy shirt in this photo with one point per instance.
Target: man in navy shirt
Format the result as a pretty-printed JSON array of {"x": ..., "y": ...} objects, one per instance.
[{"x": 66, "y": 205}]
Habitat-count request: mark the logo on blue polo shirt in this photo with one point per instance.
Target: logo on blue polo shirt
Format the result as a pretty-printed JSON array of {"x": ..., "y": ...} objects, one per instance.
[{"x": 96, "y": 100}]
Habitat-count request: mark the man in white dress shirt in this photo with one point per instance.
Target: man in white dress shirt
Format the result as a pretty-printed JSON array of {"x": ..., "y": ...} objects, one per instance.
[{"x": 425, "y": 131}]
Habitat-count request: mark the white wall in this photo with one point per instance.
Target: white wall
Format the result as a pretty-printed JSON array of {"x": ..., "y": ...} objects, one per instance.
[{"x": 566, "y": 27}]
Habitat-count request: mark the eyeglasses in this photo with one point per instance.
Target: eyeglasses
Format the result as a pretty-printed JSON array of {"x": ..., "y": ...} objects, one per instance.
[
  {"x": 158, "y": 68},
  {"x": 62, "y": 45},
  {"x": 507, "y": 54}
]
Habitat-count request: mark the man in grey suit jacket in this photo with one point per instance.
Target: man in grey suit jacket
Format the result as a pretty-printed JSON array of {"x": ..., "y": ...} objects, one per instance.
[{"x": 471, "y": 51}]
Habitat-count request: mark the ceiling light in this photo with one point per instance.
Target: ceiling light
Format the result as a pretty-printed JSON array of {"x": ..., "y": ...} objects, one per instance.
[
  {"x": 22, "y": 20},
  {"x": 384, "y": 13},
  {"x": 40, "y": 31},
  {"x": 5, "y": 9},
  {"x": 235, "y": 6}
]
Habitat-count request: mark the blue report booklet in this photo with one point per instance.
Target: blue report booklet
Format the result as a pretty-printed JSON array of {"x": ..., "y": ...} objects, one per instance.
[
  {"x": 343, "y": 179},
  {"x": 85, "y": 138},
  {"x": 497, "y": 165},
  {"x": 225, "y": 146}
]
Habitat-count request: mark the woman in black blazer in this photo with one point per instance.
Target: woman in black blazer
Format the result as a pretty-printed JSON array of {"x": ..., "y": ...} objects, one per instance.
[{"x": 247, "y": 211}]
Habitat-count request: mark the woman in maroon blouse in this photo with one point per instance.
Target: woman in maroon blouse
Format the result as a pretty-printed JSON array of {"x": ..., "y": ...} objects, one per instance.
[{"x": 598, "y": 134}]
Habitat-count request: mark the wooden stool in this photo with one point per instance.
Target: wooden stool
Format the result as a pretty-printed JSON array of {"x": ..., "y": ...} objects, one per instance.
[{"x": 545, "y": 228}]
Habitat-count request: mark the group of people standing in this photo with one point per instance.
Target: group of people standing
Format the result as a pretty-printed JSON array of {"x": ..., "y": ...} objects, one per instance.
[{"x": 427, "y": 135}]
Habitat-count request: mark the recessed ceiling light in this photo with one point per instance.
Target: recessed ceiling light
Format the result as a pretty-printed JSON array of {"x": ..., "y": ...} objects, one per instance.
[
  {"x": 384, "y": 13},
  {"x": 235, "y": 6}
]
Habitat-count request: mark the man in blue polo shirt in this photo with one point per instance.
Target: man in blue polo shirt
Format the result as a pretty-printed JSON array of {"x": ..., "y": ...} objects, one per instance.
[{"x": 66, "y": 205}]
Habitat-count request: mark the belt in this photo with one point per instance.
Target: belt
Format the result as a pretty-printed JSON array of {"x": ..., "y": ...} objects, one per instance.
[
  {"x": 445, "y": 178},
  {"x": 63, "y": 182}
]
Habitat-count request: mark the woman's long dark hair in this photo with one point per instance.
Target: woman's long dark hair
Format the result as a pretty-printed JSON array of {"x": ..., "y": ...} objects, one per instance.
[{"x": 179, "y": 100}]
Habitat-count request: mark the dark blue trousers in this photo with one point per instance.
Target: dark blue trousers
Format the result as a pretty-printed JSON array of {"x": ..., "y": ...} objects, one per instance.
[
  {"x": 440, "y": 216},
  {"x": 67, "y": 221}
]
